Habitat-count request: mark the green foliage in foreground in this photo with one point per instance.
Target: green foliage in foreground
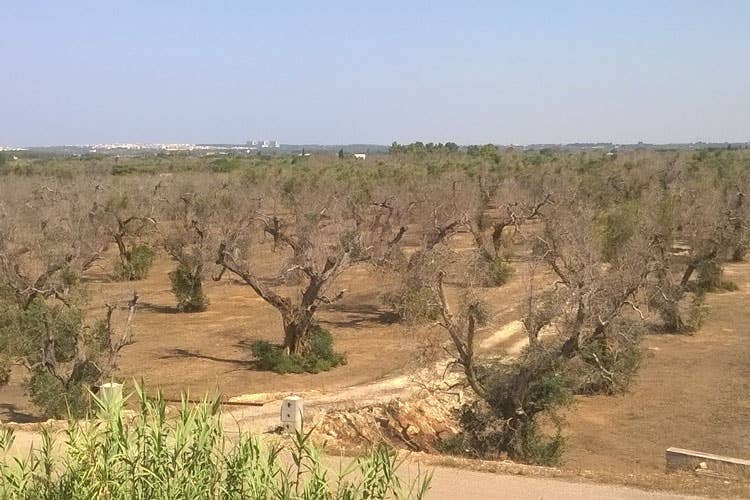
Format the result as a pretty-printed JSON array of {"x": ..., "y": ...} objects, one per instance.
[
  {"x": 155, "y": 457},
  {"x": 319, "y": 355}
]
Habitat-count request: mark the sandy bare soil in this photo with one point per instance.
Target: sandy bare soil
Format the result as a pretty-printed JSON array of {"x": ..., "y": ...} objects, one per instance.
[
  {"x": 691, "y": 392},
  {"x": 448, "y": 484},
  {"x": 209, "y": 351}
]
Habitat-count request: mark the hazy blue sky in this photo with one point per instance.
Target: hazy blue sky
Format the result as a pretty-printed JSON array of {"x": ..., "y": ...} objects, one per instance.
[{"x": 341, "y": 72}]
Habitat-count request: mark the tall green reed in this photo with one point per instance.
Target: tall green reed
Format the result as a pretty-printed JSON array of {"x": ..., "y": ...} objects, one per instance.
[{"x": 189, "y": 456}]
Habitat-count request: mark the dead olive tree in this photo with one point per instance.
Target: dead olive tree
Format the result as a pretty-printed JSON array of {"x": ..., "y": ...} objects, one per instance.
[
  {"x": 191, "y": 237},
  {"x": 126, "y": 211},
  {"x": 694, "y": 229},
  {"x": 48, "y": 238},
  {"x": 444, "y": 209},
  {"x": 439, "y": 211},
  {"x": 497, "y": 209},
  {"x": 582, "y": 320},
  {"x": 317, "y": 236}
]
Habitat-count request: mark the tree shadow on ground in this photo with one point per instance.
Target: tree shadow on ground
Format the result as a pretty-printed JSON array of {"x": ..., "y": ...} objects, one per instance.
[
  {"x": 158, "y": 308},
  {"x": 185, "y": 353},
  {"x": 360, "y": 316},
  {"x": 10, "y": 412}
]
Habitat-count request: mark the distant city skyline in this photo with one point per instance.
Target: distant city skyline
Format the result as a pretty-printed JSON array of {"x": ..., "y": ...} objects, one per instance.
[{"x": 336, "y": 73}]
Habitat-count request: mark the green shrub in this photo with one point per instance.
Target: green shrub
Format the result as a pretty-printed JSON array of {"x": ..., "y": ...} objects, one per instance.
[
  {"x": 617, "y": 225},
  {"x": 123, "y": 169},
  {"x": 495, "y": 426},
  {"x": 352, "y": 243},
  {"x": 697, "y": 312},
  {"x": 188, "y": 288},
  {"x": 414, "y": 304},
  {"x": 539, "y": 449},
  {"x": 224, "y": 165},
  {"x": 138, "y": 262},
  {"x": 740, "y": 251},
  {"x": 485, "y": 435},
  {"x": 190, "y": 457},
  {"x": 607, "y": 365},
  {"x": 711, "y": 278},
  {"x": 666, "y": 298},
  {"x": 729, "y": 286},
  {"x": 319, "y": 355},
  {"x": 55, "y": 400},
  {"x": 500, "y": 271},
  {"x": 5, "y": 369}
]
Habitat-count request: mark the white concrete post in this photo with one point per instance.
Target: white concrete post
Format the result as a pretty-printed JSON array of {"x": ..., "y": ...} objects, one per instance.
[{"x": 292, "y": 413}]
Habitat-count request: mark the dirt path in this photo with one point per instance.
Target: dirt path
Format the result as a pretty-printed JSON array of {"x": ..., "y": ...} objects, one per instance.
[
  {"x": 449, "y": 484},
  {"x": 508, "y": 338}
]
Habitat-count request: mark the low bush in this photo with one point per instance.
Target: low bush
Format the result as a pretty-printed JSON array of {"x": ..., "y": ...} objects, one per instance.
[
  {"x": 697, "y": 312},
  {"x": 615, "y": 227},
  {"x": 496, "y": 426},
  {"x": 607, "y": 365},
  {"x": 187, "y": 287},
  {"x": 55, "y": 400},
  {"x": 740, "y": 251},
  {"x": 5, "y": 369},
  {"x": 711, "y": 278},
  {"x": 351, "y": 242},
  {"x": 414, "y": 304},
  {"x": 190, "y": 457},
  {"x": 224, "y": 165},
  {"x": 123, "y": 169},
  {"x": 319, "y": 355},
  {"x": 138, "y": 262},
  {"x": 499, "y": 272},
  {"x": 668, "y": 300},
  {"x": 539, "y": 448}
]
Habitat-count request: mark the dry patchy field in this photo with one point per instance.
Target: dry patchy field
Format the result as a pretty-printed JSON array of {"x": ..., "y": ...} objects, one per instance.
[{"x": 692, "y": 391}]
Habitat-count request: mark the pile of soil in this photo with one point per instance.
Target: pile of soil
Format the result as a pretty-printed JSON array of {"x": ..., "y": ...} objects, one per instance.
[{"x": 419, "y": 425}]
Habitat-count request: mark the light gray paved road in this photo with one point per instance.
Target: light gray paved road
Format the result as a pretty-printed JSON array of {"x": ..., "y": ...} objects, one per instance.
[{"x": 458, "y": 484}]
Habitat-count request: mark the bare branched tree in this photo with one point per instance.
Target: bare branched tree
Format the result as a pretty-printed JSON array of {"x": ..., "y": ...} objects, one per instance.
[
  {"x": 191, "y": 239},
  {"x": 47, "y": 241},
  {"x": 126, "y": 211},
  {"x": 323, "y": 233}
]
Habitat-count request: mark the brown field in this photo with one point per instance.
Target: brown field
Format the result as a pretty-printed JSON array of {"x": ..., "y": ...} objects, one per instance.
[
  {"x": 201, "y": 352},
  {"x": 691, "y": 392},
  {"x": 206, "y": 351},
  {"x": 682, "y": 395}
]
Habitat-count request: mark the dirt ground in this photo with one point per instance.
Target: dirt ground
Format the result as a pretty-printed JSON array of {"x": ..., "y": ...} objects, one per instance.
[
  {"x": 203, "y": 352},
  {"x": 691, "y": 392}
]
